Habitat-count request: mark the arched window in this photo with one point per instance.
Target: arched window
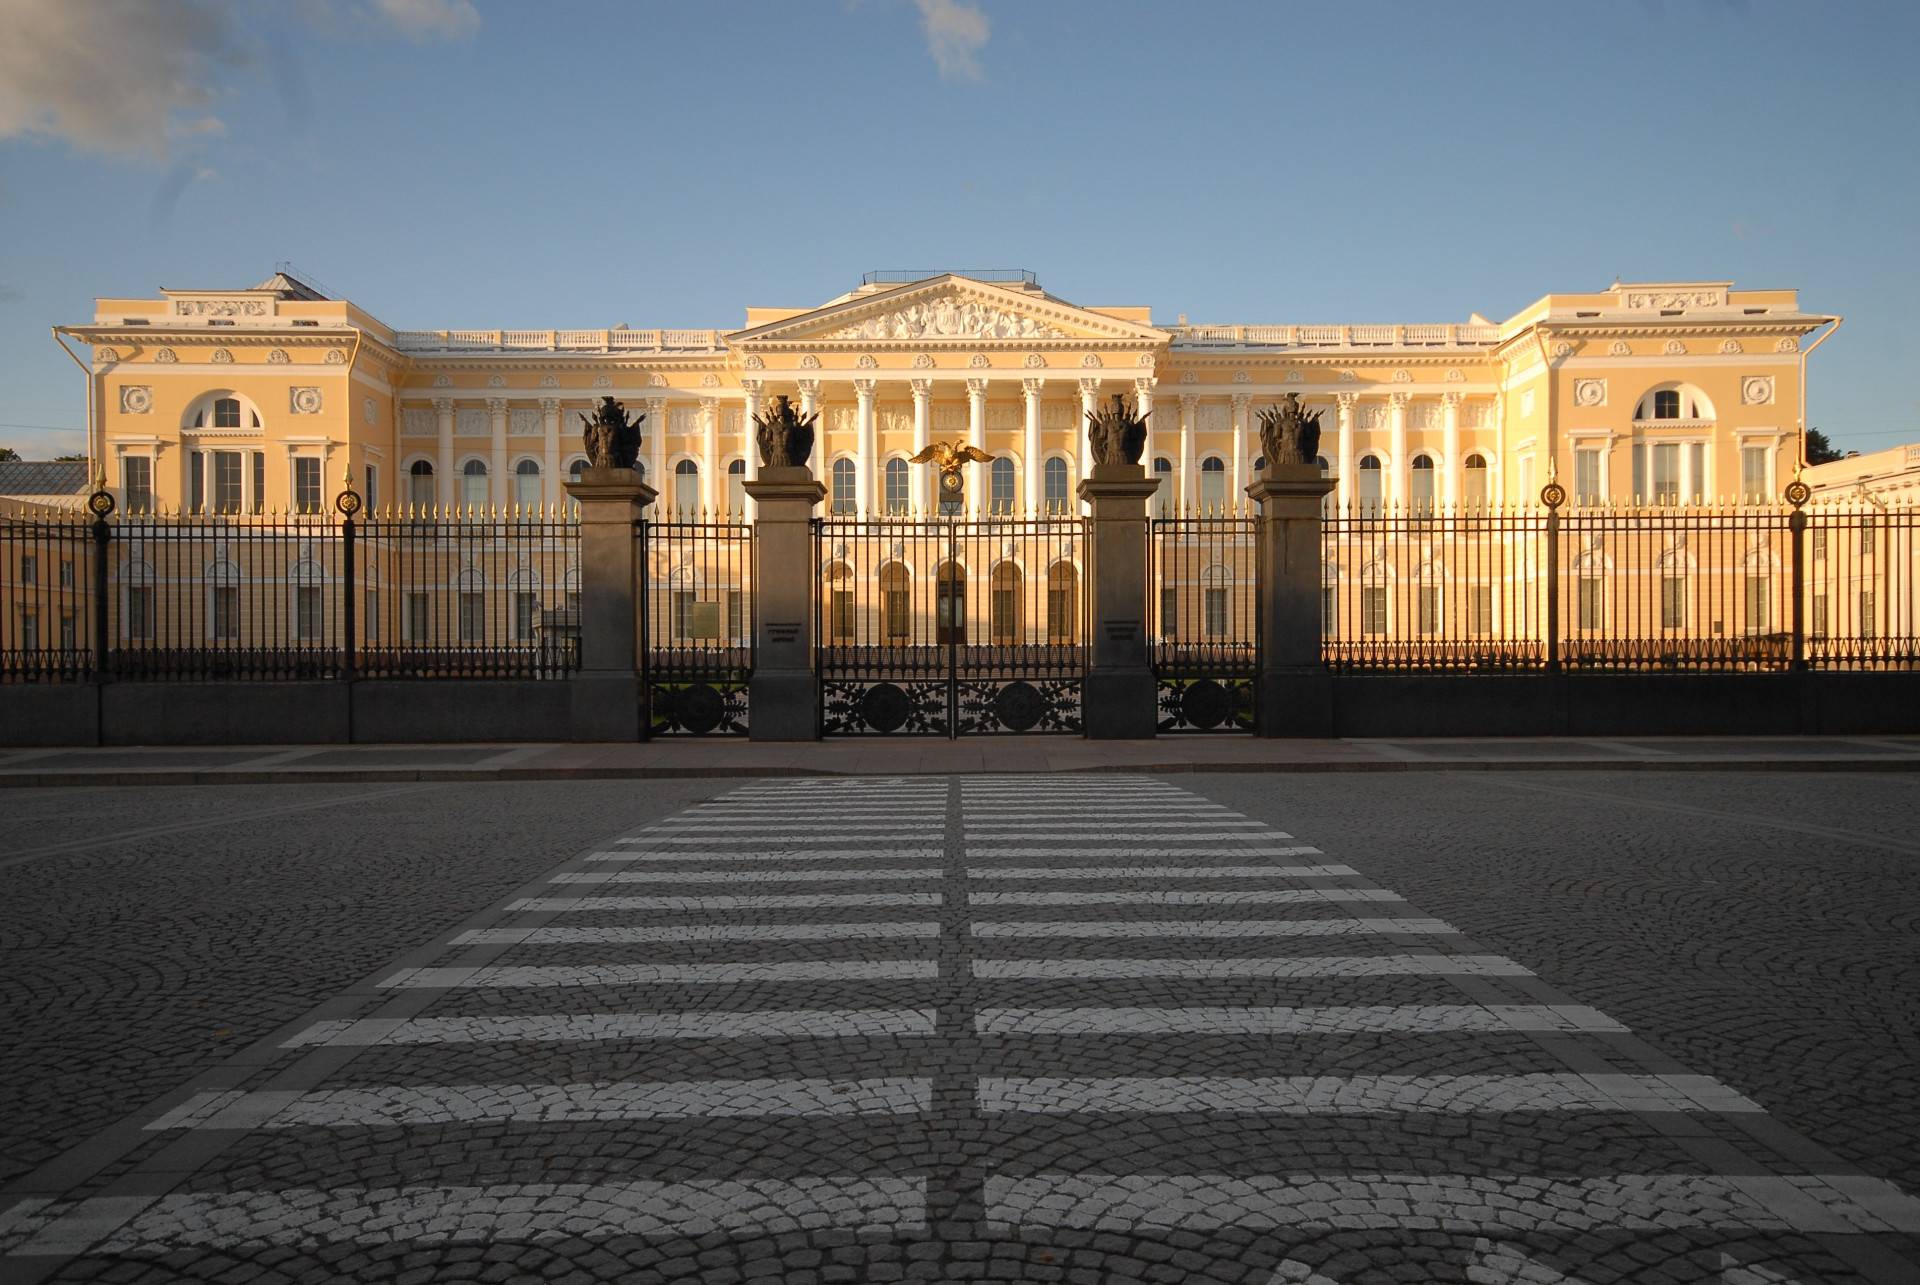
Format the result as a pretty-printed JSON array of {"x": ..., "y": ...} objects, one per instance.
[
  {"x": 226, "y": 412},
  {"x": 1003, "y": 605},
  {"x": 1055, "y": 478},
  {"x": 686, "y": 487},
  {"x": 1420, "y": 494},
  {"x": 842, "y": 500},
  {"x": 1673, "y": 401},
  {"x": 896, "y": 601},
  {"x": 897, "y": 481},
  {"x": 1000, "y": 494},
  {"x": 1259, "y": 465},
  {"x": 420, "y": 485},
  {"x": 1213, "y": 484},
  {"x": 1163, "y": 499},
  {"x": 950, "y": 603},
  {"x": 839, "y": 603},
  {"x": 1473, "y": 485},
  {"x": 736, "y": 487},
  {"x": 526, "y": 485},
  {"x": 473, "y": 484},
  {"x": 1366, "y": 492},
  {"x": 222, "y": 409},
  {"x": 1063, "y": 603},
  {"x": 576, "y": 469}
]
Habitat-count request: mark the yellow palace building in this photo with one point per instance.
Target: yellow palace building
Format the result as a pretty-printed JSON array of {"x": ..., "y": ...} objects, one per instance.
[{"x": 265, "y": 399}]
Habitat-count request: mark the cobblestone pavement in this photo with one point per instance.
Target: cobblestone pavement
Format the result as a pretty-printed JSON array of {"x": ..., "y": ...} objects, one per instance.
[{"x": 1575, "y": 1028}]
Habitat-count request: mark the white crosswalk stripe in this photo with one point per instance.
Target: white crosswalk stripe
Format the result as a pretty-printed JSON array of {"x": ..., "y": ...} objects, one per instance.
[
  {"x": 1359, "y": 1094},
  {"x": 765, "y": 901},
  {"x": 1227, "y": 969},
  {"x": 1158, "y": 872},
  {"x": 686, "y": 1024},
  {"x": 1167, "y": 928},
  {"x": 1404, "y": 1019},
  {"x": 746, "y": 876},
  {"x": 1184, "y": 897},
  {"x": 627, "y": 934},
  {"x": 804, "y": 970}
]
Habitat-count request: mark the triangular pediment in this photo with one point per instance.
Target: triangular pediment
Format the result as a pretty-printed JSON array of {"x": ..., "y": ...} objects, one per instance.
[{"x": 950, "y": 309}]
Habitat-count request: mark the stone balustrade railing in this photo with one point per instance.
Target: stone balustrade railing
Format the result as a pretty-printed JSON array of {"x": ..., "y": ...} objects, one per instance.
[
  {"x": 558, "y": 340},
  {"x": 1432, "y": 336}
]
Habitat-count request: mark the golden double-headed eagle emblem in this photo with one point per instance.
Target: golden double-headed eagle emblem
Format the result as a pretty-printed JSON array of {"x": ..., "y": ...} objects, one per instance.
[{"x": 948, "y": 457}]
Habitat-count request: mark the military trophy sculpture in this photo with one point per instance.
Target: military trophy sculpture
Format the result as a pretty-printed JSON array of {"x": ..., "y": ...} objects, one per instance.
[
  {"x": 784, "y": 434},
  {"x": 612, "y": 438},
  {"x": 1116, "y": 432},
  {"x": 1288, "y": 434}
]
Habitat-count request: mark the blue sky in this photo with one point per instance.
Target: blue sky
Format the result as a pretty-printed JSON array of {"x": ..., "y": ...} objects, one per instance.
[{"x": 565, "y": 163}]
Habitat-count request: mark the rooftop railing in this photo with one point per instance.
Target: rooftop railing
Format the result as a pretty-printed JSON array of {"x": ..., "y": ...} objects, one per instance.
[
  {"x": 616, "y": 340},
  {"x": 1463, "y": 335}
]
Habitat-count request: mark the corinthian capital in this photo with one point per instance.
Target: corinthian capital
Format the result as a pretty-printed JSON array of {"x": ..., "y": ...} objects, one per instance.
[
  {"x": 976, "y": 389},
  {"x": 498, "y": 405},
  {"x": 1033, "y": 387},
  {"x": 444, "y": 405},
  {"x": 549, "y": 404},
  {"x": 921, "y": 388},
  {"x": 865, "y": 387},
  {"x": 1397, "y": 400}
]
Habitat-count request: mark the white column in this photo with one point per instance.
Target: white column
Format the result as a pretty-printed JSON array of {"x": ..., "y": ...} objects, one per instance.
[
  {"x": 1189, "y": 411},
  {"x": 1143, "y": 407},
  {"x": 497, "y": 422},
  {"x": 976, "y": 436},
  {"x": 1450, "y": 447},
  {"x": 709, "y": 453},
  {"x": 1238, "y": 495},
  {"x": 1397, "y": 443},
  {"x": 866, "y": 497},
  {"x": 1089, "y": 404},
  {"x": 1345, "y": 462},
  {"x": 749, "y": 444},
  {"x": 443, "y": 468},
  {"x": 550, "y": 492},
  {"x": 922, "y": 427},
  {"x": 657, "y": 450},
  {"x": 1035, "y": 474}
]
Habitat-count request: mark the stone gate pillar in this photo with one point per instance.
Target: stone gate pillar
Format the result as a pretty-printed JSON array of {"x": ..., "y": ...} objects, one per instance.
[
  {"x": 1121, "y": 694},
  {"x": 608, "y": 698},
  {"x": 1294, "y": 691},
  {"x": 784, "y": 696}
]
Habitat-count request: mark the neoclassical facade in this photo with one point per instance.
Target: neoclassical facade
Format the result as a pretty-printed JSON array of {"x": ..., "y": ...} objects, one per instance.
[{"x": 267, "y": 399}]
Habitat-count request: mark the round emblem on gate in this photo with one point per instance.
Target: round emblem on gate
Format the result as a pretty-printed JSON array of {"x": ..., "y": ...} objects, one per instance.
[
  {"x": 100, "y": 503},
  {"x": 950, "y": 482},
  {"x": 1798, "y": 493},
  {"x": 699, "y": 708},
  {"x": 884, "y": 707},
  {"x": 1553, "y": 495},
  {"x": 1205, "y": 703},
  {"x": 1018, "y": 706}
]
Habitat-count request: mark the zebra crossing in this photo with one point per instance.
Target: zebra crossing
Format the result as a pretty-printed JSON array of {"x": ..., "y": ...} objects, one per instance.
[{"x": 839, "y": 1015}]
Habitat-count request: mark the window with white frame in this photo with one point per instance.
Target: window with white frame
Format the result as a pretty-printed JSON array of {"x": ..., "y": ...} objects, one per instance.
[
  {"x": 1754, "y": 483},
  {"x": 473, "y": 614},
  {"x": 136, "y": 483},
  {"x": 306, "y": 613},
  {"x": 473, "y": 484},
  {"x": 1673, "y": 592},
  {"x": 1586, "y": 476},
  {"x": 372, "y": 485},
  {"x": 526, "y": 486},
  {"x": 1373, "y": 609},
  {"x": 420, "y": 493},
  {"x": 1427, "y": 607},
  {"x": 1169, "y": 611},
  {"x": 223, "y": 602},
  {"x": 259, "y": 504},
  {"x": 1673, "y": 402},
  {"x": 1669, "y": 473},
  {"x": 1474, "y": 488},
  {"x": 845, "y": 483},
  {"x": 897, "y": 479},
  {"x": 1003, "y": 604},
  {"x": 1054, "y": 479},
  {"x": 1063, "y": 602},
  {"x": 1163, "y": 499},
  {"x": 1590, "y": 597},
  {"x": 1367, "y": 487},
  {"x": 1420, "y": 485},
  {"x": 736, "y": 487},
  {"x": 1216, "y": 589},
  {"x": 1480, "y": 610},
  {"x": 526, "y": 604},
  {"x": 1000, "y": 486},
  {"x": 417, "y": 624},
  {"x": 306, "y": 484},
  {"x": 1213, "y": 484}
]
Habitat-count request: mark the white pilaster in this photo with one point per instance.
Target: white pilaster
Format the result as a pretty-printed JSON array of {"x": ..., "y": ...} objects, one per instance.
[
  {"x": 866, "y": 450},
  {"x": 1345, "y": 462},
  {"x": 1033, "y": 474},
  {"x": 921, "y": 477},
  {"x": 709, "y": 453},
  {"x": 1089, "y": 404},
  {"x": 1450, "y": 447},
  {"x": 1189, "y": 412},
  {"x": 497, "y": 467},
  {"x": 749, "y": 446},
  {"x": 657, "y": 420},
  {"x": 976, "y": 436},
  {"x": 1143, "y": 407},
  {"x": 550, "y": 461},
  {"x": 1397, "y": 443},
  {"x": 1237, "y": 496},
  {"x": 443, "y": 467}
]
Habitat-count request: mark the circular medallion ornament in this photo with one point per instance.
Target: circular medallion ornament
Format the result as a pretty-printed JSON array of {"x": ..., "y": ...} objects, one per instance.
[
  {"x": 1553, "y": 495},
  {"x": 950, "y": 483},
  {"x": 699, "y": 708},
  {"x": 884, "y": 707},
  {"x": 1205, "y": 703},
  {"x": 348, "y": 502},
  {"x": 1798, "y": 493},
  {"x": 1018, "y": 706},
  {"x": 100, "y": 503}
]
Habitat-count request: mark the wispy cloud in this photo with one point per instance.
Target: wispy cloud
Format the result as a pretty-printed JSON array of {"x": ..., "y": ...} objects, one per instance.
[
  {"x": 430, "y": 19},
  {"x": 955, "y": 32}
]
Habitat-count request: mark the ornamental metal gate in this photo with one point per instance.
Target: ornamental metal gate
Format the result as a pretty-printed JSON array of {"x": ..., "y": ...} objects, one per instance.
[
  {"x": 696, "y": 621},
  {"x": 1206, "y": 644},
  {"x": 951, "y": 627}
]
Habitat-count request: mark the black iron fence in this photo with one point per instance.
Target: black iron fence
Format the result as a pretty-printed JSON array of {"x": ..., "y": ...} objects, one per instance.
[
  {"x": 697, "y": 620},
  {"x": 194, "y": 598},
  {"x": 951, "y": 627},
  {"x": 1205, "y": 575}
]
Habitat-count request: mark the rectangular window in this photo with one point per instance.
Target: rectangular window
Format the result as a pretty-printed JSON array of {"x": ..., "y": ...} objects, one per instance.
[
  {"x": 197, "y": 482},
  {"x": 1759, "y": 604},
  {"x": 473, "y": 617},
  {"x": 1820, "y": 543},
  {"x": 1697, "y": 472},
  {"x": 1003, "y": 608},
  {"x": 1673, "y": 602},
  {"x": 896, "y": 490},
  {"x": 29, "y": 631},
  {"x": 69, "y": 635},
  {"x": 523, "y": 609},
  {"x": 1666, "y": 473},
  {"x": 259, "y": 482},
  {"x": 1480, "y": 609},
  {"x": 1866, "y": 539},
  {"x": 372, "y": 497},
  {"x": 1868, "y": 621},
  {"x": 1213, "y": 608},
  {"x": 1060, "y": 611},
  {"x": 896, "y": 609},
  {"x": 306, "y": 613},
  {"x": 1326, "y": 609},
  {"x": 1429, "y": 601},
  {"x": 140, "y": 612},
  {"x": 1000, "y": 496},
  {"x": 1169, "y": 611},
  {"x": 1586, "y": 477},
  {"x": 737, "y": 615},
  {"x": 843, "y": 492},
  {"x": 227, "y": 482},
  {"x": 1819, "y": 615},
  {"x": 370, "y": 619},
  {"x": 306, "y": 485},
  {"x": 1373, "y": 609},
  {"x": 417, "y": 627},
  {"x": 840, "y": 615},
  {"x": 225, "y": 609},
  {"x": 66, "y": 573},
  {"x": 136, "y": 483},
  {"x": 1589, "y": 605},
  {"x": 29, "y": 569},
  {"x": 1753, "y": 474},
  {"x": 1666, "y": 404}
]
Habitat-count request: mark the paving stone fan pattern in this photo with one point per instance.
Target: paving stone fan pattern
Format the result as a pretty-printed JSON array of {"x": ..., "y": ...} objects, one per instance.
[{"x": 1026, "y": 1028}]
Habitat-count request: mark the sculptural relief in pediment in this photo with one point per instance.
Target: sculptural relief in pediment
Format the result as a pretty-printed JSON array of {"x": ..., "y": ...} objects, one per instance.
[{"x": 949, "y": 317}]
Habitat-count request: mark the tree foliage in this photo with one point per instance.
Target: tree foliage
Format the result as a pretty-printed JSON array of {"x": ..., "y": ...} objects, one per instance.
[{"x": 1820, "y": 450}]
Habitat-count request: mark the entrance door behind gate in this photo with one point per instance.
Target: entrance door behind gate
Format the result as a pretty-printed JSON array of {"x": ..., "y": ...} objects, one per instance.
[{"x": 951, "y": 627}]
